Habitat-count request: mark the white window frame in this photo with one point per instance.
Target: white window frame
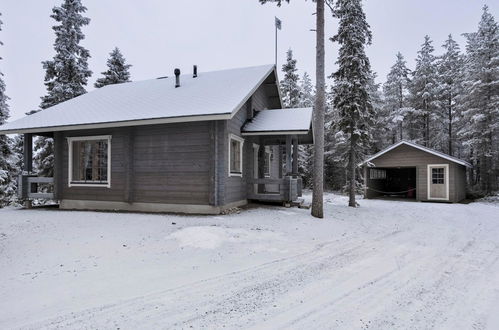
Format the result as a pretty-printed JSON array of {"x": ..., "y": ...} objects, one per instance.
[
  {"x": 241, "y": 143},
  {"x": 72, "y": 139},
  {"x": 429, "y": 167}
]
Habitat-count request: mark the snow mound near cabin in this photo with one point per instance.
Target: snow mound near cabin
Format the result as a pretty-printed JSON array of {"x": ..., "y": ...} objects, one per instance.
[{"x": 212, "y": 237}]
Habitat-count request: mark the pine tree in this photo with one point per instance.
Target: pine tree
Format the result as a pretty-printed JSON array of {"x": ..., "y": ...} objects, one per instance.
[
  {"x": 351, "y": 84},
  {"x": 395, "y": 98},
  {"x": 289, "y": 84},
  {"x": 481, "y": 102},
  {"x": 448, "y": 91},
  {"x": 423, "y": 90},
  {"x": 66, "y": 75},
  {"x": 117, "y": 72},
  {"x": 7, "y": 169}
]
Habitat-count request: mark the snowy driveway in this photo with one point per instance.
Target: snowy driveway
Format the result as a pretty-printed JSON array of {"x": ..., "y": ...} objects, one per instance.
[{"x": 385, "y": 265}]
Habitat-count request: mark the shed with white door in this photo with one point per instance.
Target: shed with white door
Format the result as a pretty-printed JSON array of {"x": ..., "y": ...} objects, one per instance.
[{"x": 408, "y": 170}]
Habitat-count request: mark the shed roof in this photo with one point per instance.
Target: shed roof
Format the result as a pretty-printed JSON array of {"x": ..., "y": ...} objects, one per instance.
[
  {"x": 210, "y": 96},
  {"x": 420, "y": 147},
  {"x": 279, "y": 121}
]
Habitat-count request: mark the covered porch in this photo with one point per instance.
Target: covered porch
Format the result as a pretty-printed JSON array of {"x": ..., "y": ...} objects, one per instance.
[{"x": 275, "y": 136}]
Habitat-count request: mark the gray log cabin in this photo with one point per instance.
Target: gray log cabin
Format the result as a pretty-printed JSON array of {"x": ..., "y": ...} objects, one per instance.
[
  {"x": 409, "y": 170},
  {"x": 191, "y": 143}
]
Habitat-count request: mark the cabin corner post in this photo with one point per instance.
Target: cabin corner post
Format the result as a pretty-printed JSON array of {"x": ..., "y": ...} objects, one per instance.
[{"x": 28, "y": 168}]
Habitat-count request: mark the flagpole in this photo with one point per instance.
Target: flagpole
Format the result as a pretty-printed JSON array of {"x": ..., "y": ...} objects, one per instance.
[{"x": 278, "y": 25}]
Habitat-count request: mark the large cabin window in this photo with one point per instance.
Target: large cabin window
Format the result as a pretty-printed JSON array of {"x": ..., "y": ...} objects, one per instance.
[
  {"x": 235, "y": 155},
  {"x": 90, "y": 161}
]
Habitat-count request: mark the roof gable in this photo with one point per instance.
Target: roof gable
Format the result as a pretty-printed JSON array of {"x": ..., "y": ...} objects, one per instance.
[
  {"x": 209, "y": 96},
  {"x": 419, "y": 147}
]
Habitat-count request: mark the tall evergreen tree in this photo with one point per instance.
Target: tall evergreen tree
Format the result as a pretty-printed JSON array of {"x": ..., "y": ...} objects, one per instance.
[
  {"x": 66, "y": 75},
  {"x": 7, "y": 179},
  {"x": 423, "y": 92},
  {"x": 481, "y": 101},
  {"x": 449, "y": 89},
  {"x": 395, "y": 98},
  {"x": 351, "y": 84},
  {"x": 290, "y": 89},
  {"x": 117, "y": 72}
]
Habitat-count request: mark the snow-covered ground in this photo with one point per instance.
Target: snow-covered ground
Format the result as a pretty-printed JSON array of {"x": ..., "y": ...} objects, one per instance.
[{"x": 385, "y": 265}]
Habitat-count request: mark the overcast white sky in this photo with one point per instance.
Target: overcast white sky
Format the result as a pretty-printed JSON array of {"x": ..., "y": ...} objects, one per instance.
[{"x": 158, "y": 35}]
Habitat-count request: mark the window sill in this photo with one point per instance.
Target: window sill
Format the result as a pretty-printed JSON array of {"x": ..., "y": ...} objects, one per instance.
[
  {"x": 97, "y": 185},
  {"x": 236, "y": 174}
]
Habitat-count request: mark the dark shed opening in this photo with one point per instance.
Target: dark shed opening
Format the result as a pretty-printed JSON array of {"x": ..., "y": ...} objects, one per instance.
[{"x": 392, "y": 182}]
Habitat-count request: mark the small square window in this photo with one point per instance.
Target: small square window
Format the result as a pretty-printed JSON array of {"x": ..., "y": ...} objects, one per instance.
[{"x": 235, "y": 155}]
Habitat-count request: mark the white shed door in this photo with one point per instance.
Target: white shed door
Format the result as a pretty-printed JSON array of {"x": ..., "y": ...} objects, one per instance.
[{"x": 438, "y": 182}]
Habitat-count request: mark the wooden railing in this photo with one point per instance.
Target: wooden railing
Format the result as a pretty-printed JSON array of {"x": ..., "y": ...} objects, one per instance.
[
  {"x": 29, "y": 187},
  {"x": 289, "y": 189}
]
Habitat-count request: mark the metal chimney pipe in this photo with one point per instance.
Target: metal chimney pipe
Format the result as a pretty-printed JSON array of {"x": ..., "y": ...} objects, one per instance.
[
  {"x": 177, "y": 77},
  {"x": 194, "y": 71}
]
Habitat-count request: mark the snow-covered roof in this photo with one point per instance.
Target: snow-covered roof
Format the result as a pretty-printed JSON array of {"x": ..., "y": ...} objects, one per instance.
[
  {"x": 420, "y": 147},
  {"x": 279, "y": 121},
  {"x": 211, "y": 96}
]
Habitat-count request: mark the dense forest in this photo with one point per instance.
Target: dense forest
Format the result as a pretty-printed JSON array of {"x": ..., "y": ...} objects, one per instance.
[{"x": 449, "y": 102}]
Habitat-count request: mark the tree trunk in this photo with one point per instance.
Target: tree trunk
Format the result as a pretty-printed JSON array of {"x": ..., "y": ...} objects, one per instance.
[
  {"x": 351, "y": 169},
  {"x": 320, "y": 105}
]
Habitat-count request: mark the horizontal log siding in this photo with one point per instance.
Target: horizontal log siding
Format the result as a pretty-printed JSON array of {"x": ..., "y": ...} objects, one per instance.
[
  {"x": 407, "y": 156},
  {"x": 170, "y": 165},
  {"x": 235, "y": 188}
]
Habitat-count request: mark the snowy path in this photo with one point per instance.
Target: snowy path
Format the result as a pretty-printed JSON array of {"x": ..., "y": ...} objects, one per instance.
[{"x": 384, "y": 265}]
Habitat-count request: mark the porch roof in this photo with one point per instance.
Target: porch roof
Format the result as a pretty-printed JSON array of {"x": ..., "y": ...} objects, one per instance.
[{"x": 296, "y": 121}]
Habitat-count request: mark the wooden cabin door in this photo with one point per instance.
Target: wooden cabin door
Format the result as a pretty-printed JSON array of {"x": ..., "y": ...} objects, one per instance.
[{"x": 438, "y": 182}]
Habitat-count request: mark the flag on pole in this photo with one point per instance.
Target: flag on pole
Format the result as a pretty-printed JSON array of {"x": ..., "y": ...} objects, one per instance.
[{"x": 278, "y": 23}]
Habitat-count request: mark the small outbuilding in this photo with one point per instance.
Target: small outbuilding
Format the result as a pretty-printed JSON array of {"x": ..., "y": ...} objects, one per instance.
[{"x": 410, "y": 171}]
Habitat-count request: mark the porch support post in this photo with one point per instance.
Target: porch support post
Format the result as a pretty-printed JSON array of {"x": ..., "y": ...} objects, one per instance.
[
  {"x": 295, "y": 155},
  {"x": 28, "y": 153},
  {"x": 28, "y": 164},
  {"x": 288, "y": 155}
]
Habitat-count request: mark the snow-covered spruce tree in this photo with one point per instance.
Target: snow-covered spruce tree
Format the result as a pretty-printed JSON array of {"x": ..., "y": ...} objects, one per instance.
[
  {"x": 351, "y": 84},
  {"x": 379, "y": 136},
  {"x": 306, "y": 161},
  {"x": 449, "y": 89},
  {"x": 423, "y": 89},
  {"x": 290, "y": 89},
  {"x": 7, "y": 166},
  {"x": 66, "y": 74},
  {"x": 395, "y": 98},
  {"x": 117, "y": 72},
  {"x": 480, "y": 113}
]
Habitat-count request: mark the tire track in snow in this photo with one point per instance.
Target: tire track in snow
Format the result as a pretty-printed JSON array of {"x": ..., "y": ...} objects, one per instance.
[{"x": 222, "y": 296}]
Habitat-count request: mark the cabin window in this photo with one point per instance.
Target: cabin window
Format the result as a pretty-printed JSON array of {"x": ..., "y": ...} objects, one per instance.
[
  {"x": 375, "y": 174},
  {"x": 235, "y": 155},
  {"x": 266, "y": 164},
  {"x": 90, "y": 161},
  {"x": 437, "y": 175}
]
